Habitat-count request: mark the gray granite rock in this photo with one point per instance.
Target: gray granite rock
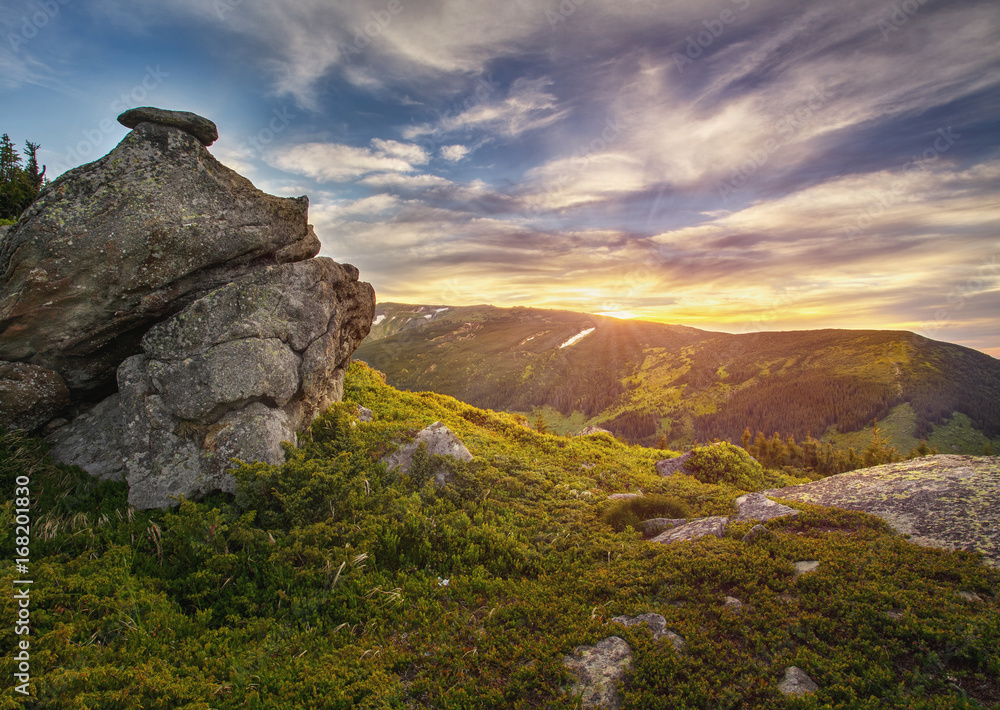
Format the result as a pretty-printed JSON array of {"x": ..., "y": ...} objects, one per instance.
[
  {"x": 939, "y": 501},
  {"x": 803, "y": 566},
  {"x": 796, "y": 683},
  {"x": 237, "y": 373},
  {"x": 655, "y": 526},
  {"x": 588, "y": 430},
  {"x": 696, "y": 529},
  {"x": 30, "y": 395},
  {"x": 439, "y": 440},
  {"x": 201, "y": 128},
  {"x": 111, "y": 247},
  {"x": 668, "y": 467},
  {"x": 93, "y": 441},
  {"x": 757, "y": 506},
  {"x": 597, "y": 670}
]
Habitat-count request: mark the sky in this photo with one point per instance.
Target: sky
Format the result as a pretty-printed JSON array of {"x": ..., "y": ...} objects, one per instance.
[{"x": 732, "y": 165}]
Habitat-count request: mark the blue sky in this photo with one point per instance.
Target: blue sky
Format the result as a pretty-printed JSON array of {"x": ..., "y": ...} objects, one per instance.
[{"x": 737, "y": 165}]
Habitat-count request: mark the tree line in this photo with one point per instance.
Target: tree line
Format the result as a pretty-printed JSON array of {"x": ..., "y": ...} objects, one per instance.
[{"x": 21, "y": 179}]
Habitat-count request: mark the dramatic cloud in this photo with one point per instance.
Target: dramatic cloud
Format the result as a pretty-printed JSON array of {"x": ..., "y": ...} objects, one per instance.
[{"x": 740, "y": 165}]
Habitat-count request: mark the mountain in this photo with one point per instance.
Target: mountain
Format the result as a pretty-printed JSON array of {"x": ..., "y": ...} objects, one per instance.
[{"x": 644, "y": 380}]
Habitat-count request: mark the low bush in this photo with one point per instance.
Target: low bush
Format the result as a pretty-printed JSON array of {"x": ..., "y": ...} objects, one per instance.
[
  {"x": 632, "y": 511},
  {"x": 725, "y": 463}
]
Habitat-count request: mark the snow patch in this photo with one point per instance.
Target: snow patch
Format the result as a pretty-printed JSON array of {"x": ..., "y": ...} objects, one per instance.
[
  {"x": 378, "y": 319},
  {"x": 578, "y": 337},
  {"x": 443, "y": 309},
  {"x": 429, "y": 316}
]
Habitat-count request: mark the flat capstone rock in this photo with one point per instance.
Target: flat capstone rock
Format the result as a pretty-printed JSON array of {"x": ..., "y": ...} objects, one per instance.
[{"x": 198, "y": 126}]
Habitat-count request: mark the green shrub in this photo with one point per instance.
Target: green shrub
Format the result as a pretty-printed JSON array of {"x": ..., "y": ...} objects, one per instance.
[
  {"x": 632, "y": 511},
  {"x": 725, "y": 463}
]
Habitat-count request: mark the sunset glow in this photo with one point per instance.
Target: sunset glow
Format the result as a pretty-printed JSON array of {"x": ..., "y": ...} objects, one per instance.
[{"x": 739, "y": 165}]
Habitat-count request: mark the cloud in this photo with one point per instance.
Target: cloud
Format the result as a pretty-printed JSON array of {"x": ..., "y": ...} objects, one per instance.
[
  {"x": 340, "y": 163},
  {"x": 528, "y": 106},
  {"x": 454, "y": 153}
]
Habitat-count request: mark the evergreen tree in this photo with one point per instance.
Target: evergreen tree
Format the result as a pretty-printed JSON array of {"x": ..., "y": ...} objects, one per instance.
[{"x": 19, "y": 183}]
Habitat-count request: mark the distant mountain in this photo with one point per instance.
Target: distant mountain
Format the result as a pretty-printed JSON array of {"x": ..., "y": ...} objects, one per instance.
[{"x": 644, "y": 380}]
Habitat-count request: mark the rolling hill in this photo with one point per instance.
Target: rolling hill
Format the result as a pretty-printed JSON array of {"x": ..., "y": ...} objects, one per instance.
[{"x": 644, "y": 380}]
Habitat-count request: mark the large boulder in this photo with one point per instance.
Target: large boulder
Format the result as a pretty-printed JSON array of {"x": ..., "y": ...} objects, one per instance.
[
  {"x": 175, "y": 310},
  {"x": 112, "y": 247},
  {"x": 939, "y": 501},
  {"x": 236, "y": 373}
]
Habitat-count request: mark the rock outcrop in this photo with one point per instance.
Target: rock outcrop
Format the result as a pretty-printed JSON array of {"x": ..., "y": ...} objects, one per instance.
[
  {"x": 160, "y": 277},
  {"x": 112, "y": 247},
  {"x": 597, "y": 670},
  {"x": 946, "y": 501}
]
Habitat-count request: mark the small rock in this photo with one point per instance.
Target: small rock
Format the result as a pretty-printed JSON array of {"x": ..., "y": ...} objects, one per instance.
[
  {"x": 597, "y": 670},
  {"x": 654, "y": 526},
  {"x": 757, "y": 506},
  {"x": 970, "y": 596},
  {"x": 796, "y": 683},
  {"x": 894, "y": 614},
  {"x": 805, "y": 566},
  {"x": 787, "y": 599},
  {"x": 201, "y": 128},
  {"x": 587, "y": 431},
  {"x": 715, "y": 525},
  {"x": 668, "y": 467},
  {"x": 624, "y": 496},
  {"x": 733, "y": 604},
  {"x": 365, "y": 414},
  {"x": 657, "y": 625},
  {"x": 755, "y": 532},
  {"x": 440, "y": 440}
]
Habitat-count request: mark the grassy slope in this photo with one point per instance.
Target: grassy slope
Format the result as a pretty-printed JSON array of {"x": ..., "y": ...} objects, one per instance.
[
  {"x": 643, "y": 380},
  {"x": 329, "y": 582}
]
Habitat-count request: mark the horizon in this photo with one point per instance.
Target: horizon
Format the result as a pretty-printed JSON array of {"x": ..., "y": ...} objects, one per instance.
[
  {"x": 738, "y": 166},
  {"x": 646, "y": 320}
]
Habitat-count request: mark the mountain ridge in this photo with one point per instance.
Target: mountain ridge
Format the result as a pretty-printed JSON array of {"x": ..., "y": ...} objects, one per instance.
[{"x": 647, "y": 380}]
